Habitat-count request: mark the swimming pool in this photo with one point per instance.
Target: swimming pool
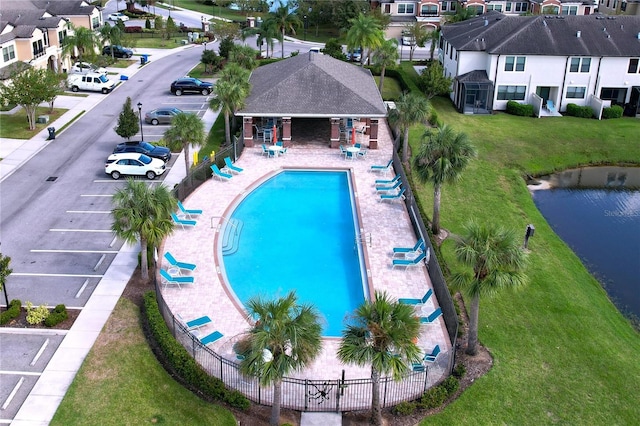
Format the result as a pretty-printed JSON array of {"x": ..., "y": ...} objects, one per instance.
[{"x": 298, "y": 231}]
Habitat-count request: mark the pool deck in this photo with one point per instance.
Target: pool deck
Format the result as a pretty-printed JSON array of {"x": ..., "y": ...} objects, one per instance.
[{"x": 387, "y": 224}]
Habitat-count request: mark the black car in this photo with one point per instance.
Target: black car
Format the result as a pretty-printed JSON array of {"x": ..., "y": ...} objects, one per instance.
[
  {"x": 118, "y": 51},
  {"x": 190, "y": 85},
  {"x": 146, "y": 148}
]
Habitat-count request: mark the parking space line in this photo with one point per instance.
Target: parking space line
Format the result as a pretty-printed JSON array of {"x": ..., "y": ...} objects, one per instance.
[
  {"x": 78, "y": 230},
  {"x": 113, "y": 241},
  {"x": 20, "y": 373},
  {"x": 73, "y": 251},
  {"x": 42, "y": 348},
  {"x": 13, "y": 393},
  {"x": 33, "y": 274},
  {"x": 90, "y": 212},
  {"x": 86, "y": 282},
  {"x": 97, "y": 195},
  {"x": 95, "y": 268}
]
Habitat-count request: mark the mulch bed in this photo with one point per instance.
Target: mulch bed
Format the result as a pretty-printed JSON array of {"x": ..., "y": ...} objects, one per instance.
[{"x": 21, "y": 321}]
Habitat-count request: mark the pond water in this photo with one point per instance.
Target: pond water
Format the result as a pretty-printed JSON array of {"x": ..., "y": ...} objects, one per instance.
[{"x": 596, "y": 211}]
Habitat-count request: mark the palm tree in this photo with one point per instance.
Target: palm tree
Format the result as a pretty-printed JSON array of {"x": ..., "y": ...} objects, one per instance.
[
  {"x": 83, "y": 41},
  {"x": 143, "y": 213},
  {"x": 286, "y": 337},
  {"x": 385, "y": 56},
  {"x": 382, "y": 333},
  {"x": 265, "y": 32},
  {"x": 5, "y": 271},
  {"x": 419, "y": 34},
  {"x": 186, "y": 129},
  {"x": 366, "y": 33},
  {"x": 111, "y": 34},
  {"x": 434, "y": 38},
  {"x": 283, "y": 21},
  {"x": 443, "y": 155},
  {"x": 498, "y": 262},
  {"x": 411, "y": 108},
  {"x": 243, "y": 55},
  {"x": 229, "y": 97}
]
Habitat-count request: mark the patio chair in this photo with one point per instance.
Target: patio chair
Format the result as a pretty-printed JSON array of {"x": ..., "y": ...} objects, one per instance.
[
  {"x": 218, "y": 174},
  {"x": 265, "y": 151},
  {"x": 348, "y": 155},
  {"x": 195, "y": 323},
  {"x": 182, "y": 222},
  {"x": 188, "y": 212},
  {"x": 362, "y": 153},
  {"x": 392, "y": 197},
  {"x": 210, "y": 338},
  {"x": 259, "y": 132},
  {"x": 417, "y": 301},
  {"x": 409, "y": 262},
  {"x": 231, "y": 167},
  {"x": 343, "y": 150},
  {"x": 551, "y": 107},
  {"x": 431, "y": 357},
  {"x": 432, "y": 317},
  {"x": 170, "y": 279},
  {"x": 389, "y": 188},
  {"x": 180, "y": 265},
  {"x": 384, "y": 169},
  {"x": 404, "y": 251},
  {"x": 388, "y": 181}
]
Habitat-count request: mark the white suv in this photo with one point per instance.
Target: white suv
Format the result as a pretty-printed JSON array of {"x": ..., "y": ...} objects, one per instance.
[
  {"x": 132, "y": 163},
  {"x": 86, "y": 67}
]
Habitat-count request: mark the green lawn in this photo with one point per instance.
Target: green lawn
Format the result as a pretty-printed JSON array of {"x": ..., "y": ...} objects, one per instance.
[
  {"x": 122, "y": 383},
  {"x": 16, "y": 126},
  {"x": 562, "y": 352}
]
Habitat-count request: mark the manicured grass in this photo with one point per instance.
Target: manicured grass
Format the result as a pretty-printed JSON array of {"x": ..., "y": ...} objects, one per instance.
[
  {"x": 16, "y": 126},
  {"x": 391, "y": 89},
  {"x": 562, "y": 352},
  {"x": 121, "y": 382}
]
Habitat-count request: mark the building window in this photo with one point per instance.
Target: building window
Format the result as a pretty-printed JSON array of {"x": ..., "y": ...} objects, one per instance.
[
  {"x": 8, "y": 53},
  {"x": 522, "y": 7},
  {"x": 497, "y": 7},
  {"x": 511, "y": 93},
  {"x": 95, "y": 22},
  {"x": 570, "y": 10},
  {"x": 633, "y": 65},
  {"x": 406, "y": 8},
  {"x": 508, "y": 7},
  {"x": 476, "y": 9},
  {"x": 514, "y": 63},
  {"x": 429, "y": 10},
  {"x": 38, "y": 48},
  {"x": 387, "y": 8},
  {"x": 576, "y": 92},
  {"x": 550, "y": 10},
  {"x": 580, "y": 65}
]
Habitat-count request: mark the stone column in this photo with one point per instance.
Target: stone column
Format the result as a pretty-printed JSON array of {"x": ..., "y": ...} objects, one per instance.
[
  {"x": 247, "y": 131},
  {"x": 373, "y": 133},
  {"x": 286, "y": 131},
  {"x": 335, "y": 133}
]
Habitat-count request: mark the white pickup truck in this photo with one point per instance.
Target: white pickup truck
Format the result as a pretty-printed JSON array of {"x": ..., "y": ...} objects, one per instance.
[{"x": 93, "y": 82}]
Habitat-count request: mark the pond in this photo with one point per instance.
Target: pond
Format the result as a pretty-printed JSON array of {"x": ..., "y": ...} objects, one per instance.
[{"x": 596, "y": 211}]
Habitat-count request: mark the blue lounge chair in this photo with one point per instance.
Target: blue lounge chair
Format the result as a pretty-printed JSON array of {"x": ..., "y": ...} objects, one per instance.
[
  {"x": 388, "y": 181},
  {"x": 393, "y": 197},
  {"x": 210, "y": 338},
  {"x": 409, "y": 262},
  {"x": 377, "y": 168},
  {"x": 218, "y": 174},
  {"x": 188, "y": 212},
  {"x": 382, "y": 188},
  {"x": 170, "y": 279},
  {"x": 405, "y": 251},
  {"x": 417, "y": 301},
  {"x": 195, "y": 323},
  {"x": 550, "y": 106},
  {"x": 183, "y": 222},
  {"x": 231, "y": 167},
  {"x": 431, "y": 357},
  {"x": 180, "y": 265},
  {"x": 432, "y": 317}
]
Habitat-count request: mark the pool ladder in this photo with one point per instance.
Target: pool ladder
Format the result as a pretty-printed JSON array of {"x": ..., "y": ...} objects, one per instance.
[
  {"x": 230, "y": 235},
  {"x": 364, "y": 238}
]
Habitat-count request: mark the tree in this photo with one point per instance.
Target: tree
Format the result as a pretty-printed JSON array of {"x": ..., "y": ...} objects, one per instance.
[
  {"x": 462, "y": 14},
  {"x": 433, "y": 82},
  {"x": 170, "y": 27},
  {"x": 226, "y": 44},
  {"x": 226, "y": 31},
  {"x": 29, "y": 87},
  {"x": 286, "y": 337},
  {"x": 211, "y": 61},
  {"x": 333, "y": 48},
  {"x": 497, "y": 260},
  {"x": 244, "y": 56},
  {"x": 265, "y": 32},
  {"x": 229, "y": 96},
  {"x": 442, "y": 157},
  {"x": 142, "y": 214},
  {"x": 284, "y": 21},
  {"x": 385, "y": 56},
  {"x": 434, "y": 38},
  {"x": 128, "y": 121},
  {"x": 111, "y": 34},
  {"x": 5, "y": 271},
  {"x": 419, "y": 34},
  {"x": 381, "y": 333},
  {"x": 411, "y": 108},
  {"x": 186, "y": 129},
  {"x": 57, "y": 82},
  {"x": 366, "y": 33},
  {"x": 83, "y": 41}
]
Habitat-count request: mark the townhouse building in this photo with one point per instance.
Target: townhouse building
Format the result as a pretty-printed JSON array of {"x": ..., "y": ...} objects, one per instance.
[{"x": 583, "y": 59}]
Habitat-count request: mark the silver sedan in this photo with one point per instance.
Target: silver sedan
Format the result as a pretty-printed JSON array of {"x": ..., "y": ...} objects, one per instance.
[{"x": 161, "y": 115}]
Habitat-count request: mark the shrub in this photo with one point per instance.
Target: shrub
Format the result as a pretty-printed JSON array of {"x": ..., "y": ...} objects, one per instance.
[
  {"x": 13, "y": 310},
  {"x": 516, "y": 108},
  {"x": 147, "y": 24},
  {"x": 579, "y": 111},
  {"x": 434, "y": 397},
  {"x": 614, "y": 111},
  {"x": 182, "y": 362},
  {"x": 459, "y": 371},
  {"x": 36, "y": 315},
  {"x": 450, "y": 385},
  {"x": 58, "y": 315},
  {"x": 133, "y": 29},
  {"x": 433, "y": 117},
  {"x": 405, "y": 408}
]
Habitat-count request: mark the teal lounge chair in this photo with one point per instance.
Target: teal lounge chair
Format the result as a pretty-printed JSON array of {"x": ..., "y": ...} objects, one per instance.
[
  {"x": 393, "y": 197},
  {"x": 183, "y": 222},
  {"x": 387, "y": 181},
  {"x": 417, "y": 301},
  {"x": 377, "y": 168},
  {"x": 389, "y": 188},
  {"x": 231, "y": 167},
  {"x": 218, "y": 174},
  {"x": 409, "y": 262},
  {"x": 170, "y": 279},
  {"x": 195, "y": 323},
  {"x": 210, "y": 338},
  {"x": 188, "y": 212},
  {"x": 432, "y": 317},
  {"x": 428, "y": 357},
  {"x": 180, "y": 265},
  {"x": 407, "y": 251},
  {"x": 550, "y": 106}
]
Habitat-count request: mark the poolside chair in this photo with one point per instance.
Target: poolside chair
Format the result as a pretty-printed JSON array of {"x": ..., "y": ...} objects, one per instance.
[
  {"x": 432, "y": 317},
  {"x": 348, "y": 155},
  {"x": 409, "y": 262},
  {"x": 428, "y": 357},
  {"x": 180, "y": 265},
  {"x": 384, "y": 169},
  {"x": 417, "y": 301},
  {"x": 265, "y": 151},
  {"x": 170, "y": 279},
  {"x": 405, "y": 251},
  {"x": 382, "y": 188},
  {"x": 188, "y": 212},
  {"x": 218, "y": 174},
  {"x": 195, "y": 323},
  {"x": 551, "y": 107},
  {"x": 388, "y": 181},
  {"x": 231, "y": 167},
  {"x": 362, "y": 153},
  {"x": 343, "y": 150},
  {"x": 209, "y": 338},
  {"x": 183, "y": 222},
  {"x": 393, "y": 197},
  {"x": 280, "y": 143}
]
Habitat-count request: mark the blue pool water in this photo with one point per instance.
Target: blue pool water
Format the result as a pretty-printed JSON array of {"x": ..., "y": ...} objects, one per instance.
[{"x": 298, "y": 233}]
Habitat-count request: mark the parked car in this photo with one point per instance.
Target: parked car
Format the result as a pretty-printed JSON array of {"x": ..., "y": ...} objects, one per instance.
[
  {"x": 86, "y": 67},
  {"x": 407, "y": 39},
  {"x": 161, "y": 115},
  {"x": 190, "y": 85},
  {"x": 355, "y": 55},
  {"x": 141, "y": 147},
  {"x": 118, "y": 51},
  {"x": 316, "y": 50},
  {"x": 117, "y": 15},
  {"x": 93, "y": 82},
  {"x": 133, "y": 164}
]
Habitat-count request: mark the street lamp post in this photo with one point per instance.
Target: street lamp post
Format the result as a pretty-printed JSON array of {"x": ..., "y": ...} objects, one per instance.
[
  {"x": 305, "y": 27},
  {"x": 140, "y": 117}
]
